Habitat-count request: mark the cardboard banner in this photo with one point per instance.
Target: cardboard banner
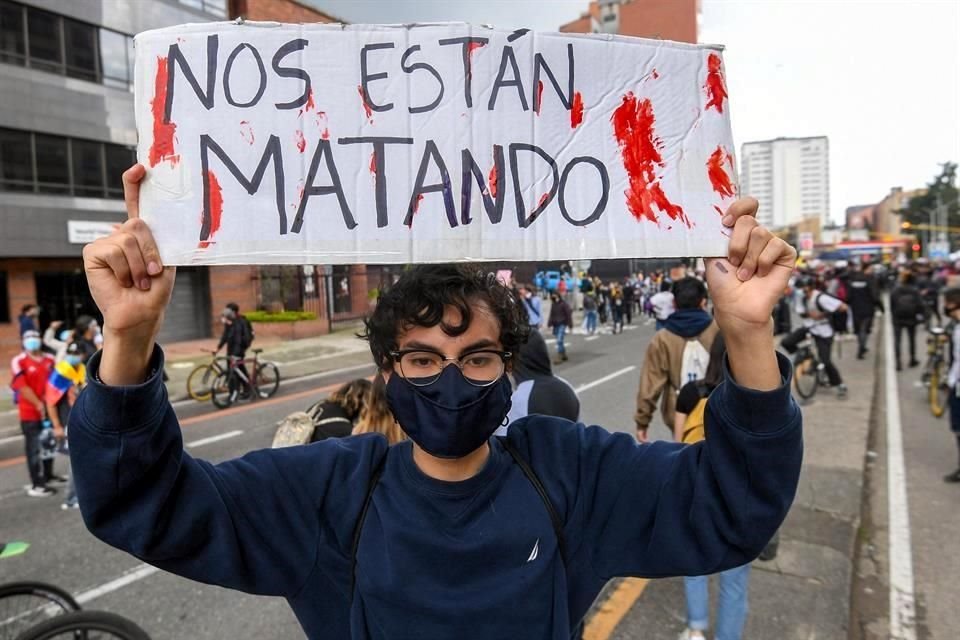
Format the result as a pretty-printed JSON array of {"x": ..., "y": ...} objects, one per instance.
[{"x": 297, "y": 144}]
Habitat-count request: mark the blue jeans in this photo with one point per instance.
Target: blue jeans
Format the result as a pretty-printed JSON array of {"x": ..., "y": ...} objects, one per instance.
[
  {"x": 591, "y": 321},
  {"x": 660, "y": 324},
  {"x": 731, "y": 606},
  {"x": 559, "y": 331}
]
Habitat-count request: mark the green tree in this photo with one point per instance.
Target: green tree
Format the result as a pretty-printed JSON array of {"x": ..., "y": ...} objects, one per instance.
[{"x": 943, "y": 190}]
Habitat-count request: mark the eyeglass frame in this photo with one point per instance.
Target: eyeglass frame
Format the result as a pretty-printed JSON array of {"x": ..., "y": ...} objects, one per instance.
[{"x": 504, "y": 357}]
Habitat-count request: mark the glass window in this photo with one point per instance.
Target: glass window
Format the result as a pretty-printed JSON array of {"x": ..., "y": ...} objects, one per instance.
[
  {"x": 12, "y": 43},
  {"x": 46, "y": 48},
  {"x": 130, "y": 59},
  {"x": 196, "y": 4},
  {"x": 81, "y": 50},
  {"x": 113, "y": 58},
  {"x": 16, "y": 165},
  {"x": 216, "y": 7},
  {"x": 119, "y": 159},
  {"x": 53, "y": 171},
  {"x": 87, "y": 160}
]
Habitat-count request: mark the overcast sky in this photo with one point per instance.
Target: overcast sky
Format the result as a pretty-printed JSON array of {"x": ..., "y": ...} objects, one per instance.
[{"x": 880, "y": 78}]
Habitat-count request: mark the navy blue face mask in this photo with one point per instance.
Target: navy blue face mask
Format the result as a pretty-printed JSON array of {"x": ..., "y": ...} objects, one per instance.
[{"x": 451, "y": 417}]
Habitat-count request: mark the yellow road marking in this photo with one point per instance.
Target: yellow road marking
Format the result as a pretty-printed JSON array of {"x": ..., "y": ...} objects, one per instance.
[{"x": 614, "y": 608}]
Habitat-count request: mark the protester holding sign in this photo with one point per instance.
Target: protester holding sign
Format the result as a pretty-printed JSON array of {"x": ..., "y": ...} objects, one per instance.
[{"x": 456, "y": 534}]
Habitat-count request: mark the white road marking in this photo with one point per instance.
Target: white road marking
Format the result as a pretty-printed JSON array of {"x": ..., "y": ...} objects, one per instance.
[
  {"x": 11, "y": 439},
  {"x": 216, "y": 438},
  {"x": 137, "y": 573},
  {"x": 630, "y": 327},
  {"x": 606, "y": 378},
  {"x": 902, "y": 602},
  {"x": 590, "y": 338}
]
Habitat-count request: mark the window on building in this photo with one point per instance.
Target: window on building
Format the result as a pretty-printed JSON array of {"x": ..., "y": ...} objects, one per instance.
[
  {"x": 4, "y": 298},
  {"x": 113, "y": 58},
  {"x": 16, "y": 163},
  {"x": 13, "y": 47},
  {"x": 46, "y": 44},
  {"x": 53, "y": 168},
  {"x": 87, "y": 160},
  {"x": 119, "y": 159},
  {"x": 216, "y": 7},
  {"x": 80, "y": 42}
]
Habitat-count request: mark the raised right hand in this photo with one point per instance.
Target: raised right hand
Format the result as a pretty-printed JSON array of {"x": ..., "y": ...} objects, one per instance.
[{"x": 130, "y": 286}]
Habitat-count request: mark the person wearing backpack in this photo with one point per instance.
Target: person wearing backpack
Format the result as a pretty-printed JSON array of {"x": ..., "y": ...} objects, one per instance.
[
  {"x": 908, "y": 309},
  {"x": 237, "y": 337},
  {"x": 677, "y": 354},
  {"x": 816, "y": 308},
  {"x": 452, "y": 533}
]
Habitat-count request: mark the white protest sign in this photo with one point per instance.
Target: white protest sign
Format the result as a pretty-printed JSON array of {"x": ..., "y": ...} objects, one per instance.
[{"x": 269, "y": 143}]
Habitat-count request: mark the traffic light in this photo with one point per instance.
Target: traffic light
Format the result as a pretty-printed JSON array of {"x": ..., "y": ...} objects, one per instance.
[{"x": 916, "y": 248}]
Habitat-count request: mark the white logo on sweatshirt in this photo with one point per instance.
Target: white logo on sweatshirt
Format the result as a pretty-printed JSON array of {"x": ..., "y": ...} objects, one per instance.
[{"x": 535, "y": 552}]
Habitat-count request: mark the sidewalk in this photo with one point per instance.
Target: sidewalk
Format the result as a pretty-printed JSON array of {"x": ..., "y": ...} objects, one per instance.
[
  {"x": 805, "y": 592},
  {"x": 295, "y": 358}
]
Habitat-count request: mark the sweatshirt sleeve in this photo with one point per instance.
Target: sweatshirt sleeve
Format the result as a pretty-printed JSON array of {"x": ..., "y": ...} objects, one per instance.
[
  {"x": 253, "y": 523},
  {"x": 667, "y": 509}
]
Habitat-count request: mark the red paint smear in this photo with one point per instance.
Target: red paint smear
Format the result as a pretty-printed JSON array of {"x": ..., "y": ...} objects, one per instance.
[
  {"x": 373, "y": 163},
  {"x": 576, "y": 110},
  {"x": 655, "y": 74},
  {"x": 309, "y": 105},
  {"x": 301, "y": 141},
  {"x": 543, "y": 199},
  {"x": 246, "y": 131},
  {"x": 162, "y": 146},
  {"x": 716, "y": 90},
  {"x": 416, "y": 206},
  {"x": 216, "y": 206},
  {"x": 492, "y": 179},
  {"x": 718, "y": 209},
  {"x": 633, "y": 123},
  {"x": 366, "y": 107},
  {"x": 719, "y": 178},
  {"x": 471, "y": 47},
  {"x": 322, "y": 120},
  {"x": 539, "y": 102}
]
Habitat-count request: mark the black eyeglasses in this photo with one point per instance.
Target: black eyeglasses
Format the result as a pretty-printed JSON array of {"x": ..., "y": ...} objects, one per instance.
[{"x": 481, "y": 368}]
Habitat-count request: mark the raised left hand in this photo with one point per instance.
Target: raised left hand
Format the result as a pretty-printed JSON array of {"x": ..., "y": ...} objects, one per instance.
[{"x": 746, "y": 285}]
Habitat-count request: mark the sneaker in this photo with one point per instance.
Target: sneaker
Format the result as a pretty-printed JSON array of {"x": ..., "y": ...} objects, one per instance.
[
  {"x": 952, "y": 477},
  {"x": 692, "y": 634},
  {"x": 40, "y": 492},
  {"x": 66, "y": 506},
  {"x": 841, "y": 391},
  {"x": 58, "y": 479}
]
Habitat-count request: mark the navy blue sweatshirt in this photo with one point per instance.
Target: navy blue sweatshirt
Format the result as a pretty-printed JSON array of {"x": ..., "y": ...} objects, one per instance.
[{"x": 471, "y": 559}]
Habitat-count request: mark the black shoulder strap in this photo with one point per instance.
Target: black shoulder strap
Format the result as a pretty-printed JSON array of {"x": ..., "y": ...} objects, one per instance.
[
  {"x": 535, "y": 481},
  {"x": 374, "y": 479}
]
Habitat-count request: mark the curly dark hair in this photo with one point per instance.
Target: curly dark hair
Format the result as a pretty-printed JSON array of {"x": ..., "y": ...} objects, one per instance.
[{"x": 419, "y": 297}]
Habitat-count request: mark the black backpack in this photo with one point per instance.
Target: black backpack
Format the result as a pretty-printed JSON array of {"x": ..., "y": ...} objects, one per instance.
[
  {"x": 906, "y": 304},
  {"x": 246, "y": 332}
]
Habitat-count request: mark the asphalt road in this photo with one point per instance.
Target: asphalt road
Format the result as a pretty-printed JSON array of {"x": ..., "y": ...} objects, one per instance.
[{"x": 605, "y": 370}]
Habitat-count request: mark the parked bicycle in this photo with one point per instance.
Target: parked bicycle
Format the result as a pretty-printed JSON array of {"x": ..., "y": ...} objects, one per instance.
[
  {"x": 201, "y": 379},
  {"x": 808, "y": 372},
  {"x": 935, "y": 371},
  {"x": 40, "y": 611},
  {"x": 238, "y": 383}
]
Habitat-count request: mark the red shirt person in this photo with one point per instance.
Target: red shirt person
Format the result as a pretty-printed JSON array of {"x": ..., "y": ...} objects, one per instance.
[{"x": 29, "y": 374}]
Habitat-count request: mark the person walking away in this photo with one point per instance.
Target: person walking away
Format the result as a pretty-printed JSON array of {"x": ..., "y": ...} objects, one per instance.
[
  {"x": 561, "y": 320},
  {"x": 677, "y": 354},
  {"x": 533, "y": 307},
  {"x": 537, "y": 391},
  {"x": 590, "y": 313},
  {"x": 816, "y": 308},
  {"x": 929, "y": 287},
  {"x": 29, "y": 373},
  {"x": 908, "y": 310},
  {"x": 375, "y": 416},
  {"x": 627, "y": 293},
  {"x": 64, "y": 384},
  {"x": 734, "y": 583},
  {"x": 617, "y": 309},
  {"x": 520, "y": 534},
  {"x": 333, "y": 417},
  {"x": 951, "y": 306},
  {"x": 864, "y": 301},
  {"x": 663, "y": 303},
  {"x": 783, "y": 314},
  {"x": 603, "y": 302},
  {"x": 29, "y": 318}
]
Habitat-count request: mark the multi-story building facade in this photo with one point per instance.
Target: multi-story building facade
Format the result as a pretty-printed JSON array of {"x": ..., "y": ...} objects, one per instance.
[
  {"x": 67, "y": 132},
  {"x": 663, "y": 19},
  {"x": 790, "y": 177}
]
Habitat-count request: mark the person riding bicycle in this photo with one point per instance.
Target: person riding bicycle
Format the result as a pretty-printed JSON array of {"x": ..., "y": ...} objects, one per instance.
[
  {"x": 815, "y": 308},
  {"x": 237, "y": 336}
]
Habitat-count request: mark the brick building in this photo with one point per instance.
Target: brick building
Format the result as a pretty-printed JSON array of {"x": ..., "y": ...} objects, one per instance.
[
  {"x": 662, "y": 19},
  {"x": 66, "y": 134}
]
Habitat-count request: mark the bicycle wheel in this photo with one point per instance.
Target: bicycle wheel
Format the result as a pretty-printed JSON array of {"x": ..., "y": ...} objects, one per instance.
[
  {"x": 89, "y": 625},
  {"x": 220, "y": 392},
  {"x": 201, "y": 380},
  {"x": 937, "y": 390},
  {"x": 806, "y": 378},
  {"x": 26, "y": 604},
  {"x": 268, "y": 379}
]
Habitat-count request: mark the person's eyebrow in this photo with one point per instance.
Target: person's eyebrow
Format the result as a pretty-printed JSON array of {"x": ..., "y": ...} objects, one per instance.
[
  {"x": 419, "y": 346},
  {"x": 484, "y": 343}
]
